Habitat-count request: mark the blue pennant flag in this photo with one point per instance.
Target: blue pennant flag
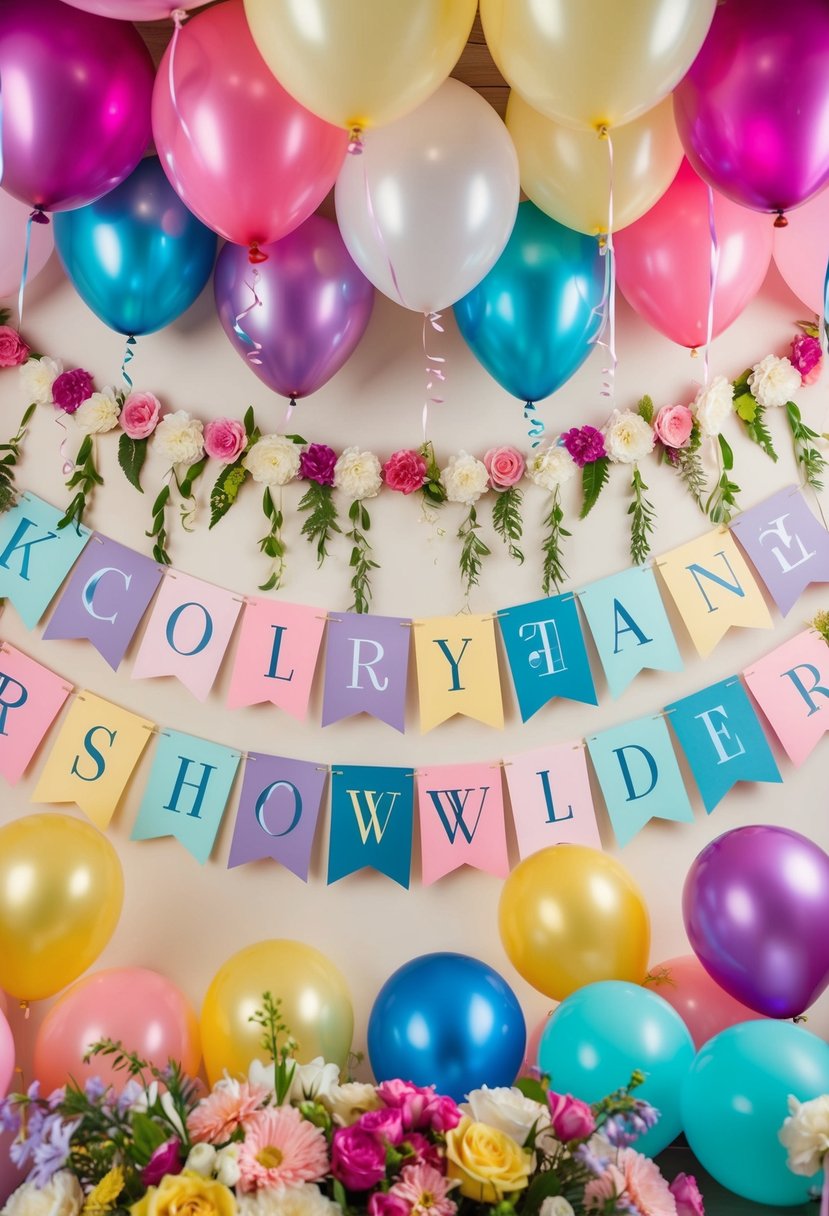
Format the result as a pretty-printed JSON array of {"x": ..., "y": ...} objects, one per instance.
[
  {"x": 36, "y": 555},
  {"x": 372, "y": 812},
  {"x": 546, "y": 653}
]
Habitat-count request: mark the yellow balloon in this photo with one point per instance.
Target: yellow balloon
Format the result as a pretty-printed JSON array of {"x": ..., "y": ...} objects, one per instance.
[
  {"x": 61, "y": 891},
  {"x": 571, "y": 916},
  {"x": 360, "y": 63},
  {"x": 316, "y": 1006},
  {"x": 566, "y": 172},
  {"x": 594, "y": 63}
]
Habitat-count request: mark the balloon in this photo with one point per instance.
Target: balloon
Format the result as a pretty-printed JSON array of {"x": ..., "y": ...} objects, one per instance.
[
  {"x": 361, "y": 64},
  {"x": 569, "y": 916},
  {"x": 755, "y": 905},
  {"x": 76, "y": 103},
  {"x": 751, "y": 112},
  {"x": 315, "y": 306},
  {"x": 13, "y": 216},
  {"x": 246, "y": 158},
  {"x": 428, "y": 207},
  {"x": 735, "y": 1099},
  {"x": 597, "y": 1038},
  {"x": 530, "y": 1061},
  {"x": 597, "y": 64},
  {"x": 140, "y": 1008},
  {"x": 533, "y": 320},
  {"x": 316, "y": 1006},
  {"x": 566, "y": 172},
  {"x": 137, "y": 257},
  {"x": 663, "y": 261},
  {"x": 704, "y": 1007},
  {"x": 134, "y": 10},
  {"x": 801, "y": 251},
  {"x": 447, "y": 1020},
  {"x": 6, "y": 1055},
  {"x": 61, "y": 891}
]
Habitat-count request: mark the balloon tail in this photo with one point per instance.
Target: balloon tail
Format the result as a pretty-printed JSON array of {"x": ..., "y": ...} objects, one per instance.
[
  {"x": 607, "y": 333},
  {"x": 355, "y": 141},
  {"x": 129, "y": 355},
  {"x": 252, "y": 355},
  {"x": 36, "y": 217},
  {"x": 289, "y": 413},
  {"x": 713, "y": 271},
  {"x": 27, "y": 1011},
  {"x": 536, "y": 424},
  {"x": 68, "y": 465},
  {"x": 435, "y": 370},
  {"x": 781, "y": 221}
]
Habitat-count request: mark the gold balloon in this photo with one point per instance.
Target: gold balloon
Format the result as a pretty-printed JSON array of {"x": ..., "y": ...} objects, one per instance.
[
  {"x": 571, "y": 916},
  {"x": 61, "y": 891},
  {"x": 360, "y": 63},
  {"x": 566, "y": 172},
  {"x": 316, "y": 1006}
]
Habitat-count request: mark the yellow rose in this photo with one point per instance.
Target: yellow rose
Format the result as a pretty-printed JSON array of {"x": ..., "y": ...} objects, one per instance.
[
  {"x": 186, "y": 1195},
  {"x": 487, "y": 1163}
]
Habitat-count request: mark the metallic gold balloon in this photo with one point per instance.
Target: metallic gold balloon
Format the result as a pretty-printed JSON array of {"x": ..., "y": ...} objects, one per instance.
[
  {"x": 316, "y": 1006},
  {"x": 571, "y": 916},
  {"x": 61, "y": 891}
]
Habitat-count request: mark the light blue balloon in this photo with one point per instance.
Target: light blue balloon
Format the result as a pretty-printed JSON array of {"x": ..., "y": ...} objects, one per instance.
[
  {"x": 137, "y": 256},
  {"x": 735, "y": 1099},
  {"x": 533, "y": 320},
  {"x": 600, "y": 1034}
]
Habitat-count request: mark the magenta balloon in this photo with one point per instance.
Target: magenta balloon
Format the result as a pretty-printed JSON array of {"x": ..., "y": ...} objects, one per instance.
[
  {"x": 76, "y": 103},
  {"x": 801, "y": 251},
  {"x": 315, "y": 306},
  {"x": 756, "y": 908},
  {"x": 134, "y": 10},
  {"x": 753, "y": 110}
]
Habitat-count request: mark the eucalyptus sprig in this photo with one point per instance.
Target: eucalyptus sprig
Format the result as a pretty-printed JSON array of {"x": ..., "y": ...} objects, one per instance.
[
  {"x": 361, "y": 562},
  {"x": 278, "y": 1044},
  {"x": 811, "y": 461},
  {"x": 642, "y": 519},
  {"x": 473, "y": 550},
  {"x": 507, "y": 521},
  {"x": 11, "y": 455},
  {"x": 722, "y": 505},
  {"x": 553, "y": 572},
  {"x": 83, "y": 480}
]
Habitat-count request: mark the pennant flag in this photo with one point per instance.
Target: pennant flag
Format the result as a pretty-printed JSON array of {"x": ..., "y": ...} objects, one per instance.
[
  {"x": 546, "y": 653},
  {"x": 35, "y": 555},
  {"x": 791, "y": 686},
  {"x": 372, "y": 811},
  {"x": 722, "y": 739},
  {"x": 277, "y": 656},
  {"x": 187, "y": 792},
  {"x": 93, "y": 757},
  {"x": 461, "y": 820},
  {"x": 549, "y": 789},
  {"x": 30, "y": 698},
  {"x": 639, "y": 776},
  {"x": 106, "y": 597},
  {"x": 366, "y": 665},
  {"x": 787, "y": 545},
  {"x": 713, "y": 588},
  {"x": 457, "y": 670},
  {"x": 278, "y": 812},
  {"x": 630, "y": 626},
  {"x": 187, "y": 633}
]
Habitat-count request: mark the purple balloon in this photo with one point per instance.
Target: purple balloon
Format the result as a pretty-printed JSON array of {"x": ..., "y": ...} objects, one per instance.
[
  {"x": 77, "y": 95},
  {"x": 756, "y": 910},
  {"x": 315, "y": 306},
  {"x": 753, "y": 111}
]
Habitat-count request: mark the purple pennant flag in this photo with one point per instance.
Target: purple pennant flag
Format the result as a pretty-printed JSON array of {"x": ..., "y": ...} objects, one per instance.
[
  {"x": 786, "y": 544},
  {"x": 366, "y": 667},
  {"x": 106, "y": 597},
  {"x": 278, "y": 811}
]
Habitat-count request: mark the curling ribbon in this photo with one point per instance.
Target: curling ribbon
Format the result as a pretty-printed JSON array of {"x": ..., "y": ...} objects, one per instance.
[
  {"x": 607, "y": 333},
  {"x": 252, "y": 355},
  {"x": 68, "y": 465},
  {"x": 536, "y": 428},
  {"x": 434, "y": 372},
  {"x": 129, "y": 355},
  {"x": 824, "y": 329},
  {"x": 712, "y": 281}
]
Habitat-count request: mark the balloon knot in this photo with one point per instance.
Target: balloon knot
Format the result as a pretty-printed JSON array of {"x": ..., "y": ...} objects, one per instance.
[
  {"x": 178, "y": 15},
  {"x": 694, "y": 352},
  {"x": 603, "y": 131},
  {"x": 800, "y": 1017},
  {"x": 39, "y": 216},
  {"x": 781, "y": 221},
  {"x": 255, "y": 254},
  {"x": 355, "y": 140},
  {"x": 24, "y": 1005}
]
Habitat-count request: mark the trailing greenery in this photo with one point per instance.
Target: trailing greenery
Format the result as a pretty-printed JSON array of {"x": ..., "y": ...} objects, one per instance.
[
  {"x": 8, "y": 461},
  {"x": 553, "y": 572},
  {"x": 321, "y": 521},
  {"x": 473, "y": 550},
  {"x": 507, "y": 522},
  {"x": 722, "y": 501},
  {"x": 361, "y": 562},
  {"x": 642, "y": 518}
]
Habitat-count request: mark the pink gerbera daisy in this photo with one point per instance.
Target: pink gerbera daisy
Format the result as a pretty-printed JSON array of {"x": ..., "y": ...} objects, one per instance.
[
  {"x": 426, "y": 1190},
  {"x": 636, "y": 1178},
  {"x": 281, "y": 1150},
  {"x": 229, "y": 1106}
]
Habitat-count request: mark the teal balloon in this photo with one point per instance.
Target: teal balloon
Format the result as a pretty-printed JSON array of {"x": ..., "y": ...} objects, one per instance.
[
  {"x": 602, "y": 1033},
  {"x": 533, "y": 320},
  {"x": 137, "y": 256},
  {"x": 735, "y": 1099}
]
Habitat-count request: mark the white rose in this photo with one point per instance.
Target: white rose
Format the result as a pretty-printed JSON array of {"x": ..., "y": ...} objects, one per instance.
[
  {"x": 99, "y": 413},
  {"x": 358, "y": 474},
  {"x": 712, "y": 405},
  {"x": 315, "y": 1080},
  {"x": 551, "y": 467},
  {"x": 464, "y": 479},
  {"x": 628, "y": 437},
  {"x": 38, "y": 376},
  {"x": 805, "y": 1134},
  {"x": 227, "y": 1165},
  {"x": 556, "y": 1205},
  {"x": 774, "y": 381},
  {"x": 347, "y": 1102},
  {"x": 201, "y": 1159},
  {"x": 305, "y": 1200},
  {"x": 179, "y": 438},
  {"x": 273, "y": 460},
  {"x": 260, "y": 1072},
  {"x": 62, "y": 1196},
  {"x": 507, "y": 1110}
]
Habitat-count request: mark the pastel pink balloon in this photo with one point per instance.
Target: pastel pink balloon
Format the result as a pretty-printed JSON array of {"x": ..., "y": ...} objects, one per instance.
[
  {"x": 704, "y": 1007},
  {"x": 533, "y": 1043},
  {"x": 13, "y": 217},
  {"x": 134, "y": 10},
  {"x": 663, "y": 261},
  {"x": 801, "y": 251}
]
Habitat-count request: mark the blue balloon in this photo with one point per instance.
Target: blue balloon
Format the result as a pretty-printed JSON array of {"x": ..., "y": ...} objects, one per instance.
[
  {"x": 735, "y": 1099},
  {"x": 533, "y": 320},
  {"x": 137, "y": 256},
  {"x": 599, "y": 1035},
  {"x": 447, "y": 1020}
]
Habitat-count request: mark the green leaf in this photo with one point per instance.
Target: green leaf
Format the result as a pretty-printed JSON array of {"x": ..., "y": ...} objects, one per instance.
[
  {"x": 226, "y": 490},
  {"x": 507, "y": 522},
  {"x": 161, "y": 500},
  {"x": 727, "y": 454},
  {"x": 317, "y": 503},
  {"x": 746, "y": 406},
  {"x": 131, "y": 456},
  {"x": 642, "y": 518},
  {"x": 688, "y": 465},
  {"x": 645, "y": 409},
  {"x": 759, "y": 433},
  {"x": 553, "y": 572},
  {"x": 593, "y": 479},
  {"x": 532, "y": 1088},
  {"x": 191, "y": 477},
  {"x": 473, "y": 550},
  {"x": 249, "y": 421},
  {"x": 147, "y": 1137},
  {"x": 270, "y": 583}
]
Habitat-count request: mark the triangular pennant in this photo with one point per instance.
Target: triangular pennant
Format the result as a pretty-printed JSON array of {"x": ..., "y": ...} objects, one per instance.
[
  {"x": 371, "y": 821},
  {"x": 278, "y": 811},
  {"x": 549, "y": 790},
  {"x": 546, "y": 652},
  {"x": 461, "y": 811},
  {"x": 31, "y": 697},
  {"x": 366, "y": 665},
  {"x": 36, "y": 555},
  {"x": 787, "y": 546},
  {"x": 791, "y": 686},
  {"x": 277, "y": 656},
  {"x": 457, "y": 670}
]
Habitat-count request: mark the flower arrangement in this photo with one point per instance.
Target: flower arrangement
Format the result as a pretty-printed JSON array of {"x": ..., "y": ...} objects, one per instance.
[{"x": 805, "y": 1137}]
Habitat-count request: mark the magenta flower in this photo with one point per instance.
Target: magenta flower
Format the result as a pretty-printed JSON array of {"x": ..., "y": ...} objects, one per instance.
[
  {"x": 384, "y": 1203},
  {"x": 385, "y": 1123},
  {"x": 571, "y": 1118},
  {"x": 71, "y": 389},
  {"x": 166, "y": 1159},
  {"x": 807, "y": 357},
  {"x": 405, "y": 471},
  {"x": 317, "y": 464},
  {"x": 13, "y": 350},
  {"x": 687, "y": 1195},
  {"x": 585, "y": 444},
  {"x": 358, "y": 1158}
]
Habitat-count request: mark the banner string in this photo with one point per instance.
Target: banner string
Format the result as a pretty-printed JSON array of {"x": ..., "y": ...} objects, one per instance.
[
  {"x": 607, "y": 333},
  {"x": 713, "y": 272}
]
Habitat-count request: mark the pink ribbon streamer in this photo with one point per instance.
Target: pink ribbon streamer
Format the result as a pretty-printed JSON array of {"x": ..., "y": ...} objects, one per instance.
[
  {"x": 712, "y": 289},
  {"x": 251, "y": 355},
  {"x": 607, "y": 333},
  {"x": 434, "y": 370}
]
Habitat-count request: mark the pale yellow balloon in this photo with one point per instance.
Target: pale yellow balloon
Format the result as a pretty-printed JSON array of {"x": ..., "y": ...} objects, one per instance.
[
  {"x": 566, "y": 172},
  {"x": 316, "y": 1006},
  {"x": 360, "y": 63},
  {"x": 571, "y": 916},
  {"x": 61, "y": 891},
  {"x": 594, "y": 63}
]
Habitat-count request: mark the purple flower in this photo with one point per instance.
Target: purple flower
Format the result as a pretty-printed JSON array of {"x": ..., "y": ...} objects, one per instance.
[
  {"x": 52, "y": 1152},
  {"x": 686, "y": 1193},
  {"x": 317, "y": 464},
  {"x": 9, "y": 1116},
  {"x": 165, "y": 1160},
  {"x": 95, "y": 1089},
  {"x": 128, "y": 1096},
  {"x": 71, "y": 388},
  {"x": 590, "y": 1160},
  {"x": 585, "y": 444},
  {"x": 623, "y": 1129}
]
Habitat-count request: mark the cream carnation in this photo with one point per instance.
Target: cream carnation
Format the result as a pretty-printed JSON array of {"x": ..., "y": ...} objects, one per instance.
[
  {"x": 358, "y": 474},
  {"x": 273, "y": 460},
  {"x": 712, "y": 405},
  {"x": 37, "y": 377},
  {"x": 179, "y": 438},
  {"x": 306, "y": 1200},
  {"x": 62, "y": 1196},
  {"x": 465, "y": 479},
  {"x": 628, "y": 437},
  {"x": 99, "y": 413},
  {"x": 507, "y": 1110},
  {"x": 556, "y": 1205},
  {"x": 805, "y": 1134},
  {"x": 347, "y": 1102},
  {"x": 551, "y": 467},
  {"x": 774, "y": 381}
]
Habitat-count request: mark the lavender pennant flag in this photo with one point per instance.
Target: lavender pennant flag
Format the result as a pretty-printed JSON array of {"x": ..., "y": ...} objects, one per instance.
[
  {"x": 366, "y": 667},
  {"x": 786, "y": 544},
  {"x": 278, "y": 812}
]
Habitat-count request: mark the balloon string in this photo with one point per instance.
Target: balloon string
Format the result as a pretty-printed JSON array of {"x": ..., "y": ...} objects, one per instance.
[
  {"x": 712, "y": 282},
  {"x": 289, "y": 413},
  {"x": 378, "y": 232},
  {"x": 179, "y": 15},
  {"x": 607, "y": 332},
  {"x": 434, "y": 372},
  {"x": 68, "y": 465},
  {"x": 252, "y": 355},
  {"x": 129, "y": 355},
  {"x": 536, "y": 428}
]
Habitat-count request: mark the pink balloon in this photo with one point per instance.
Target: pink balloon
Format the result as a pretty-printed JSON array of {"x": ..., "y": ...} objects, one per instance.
[
  {"x": 6, "y": 1055},
  {"x": 141, "y": 1008},
  {"x": 246, "y": 158},
  {"x": 134, "y": 10},
  {"x": 801, "y": 251},
  {"x": 13, "y": 216},
  {"x": 663, "y": 260},
  {"x": 704, "y": 1007},
  {"x": 533, "y": 1043}
]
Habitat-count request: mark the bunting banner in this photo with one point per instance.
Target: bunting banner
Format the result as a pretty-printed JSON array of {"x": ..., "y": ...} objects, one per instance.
[
  {"x": 276, "y": 658},
  {"x": 549, "y": 790},
  {"x": 366, "y": 667},
  {"x": 461, "y": 810},
  {"x": 31, "y": 697},
  {"x": 36, "y": 555},
  {"x": 786, "y": 544},
  {"x": 457, "y": 670},
  {"x": 372, "y": 813},
  {"x": 278, "y": 811},
  {"x": 546, "y": 653},
  {"x": 791, "y": 686}
]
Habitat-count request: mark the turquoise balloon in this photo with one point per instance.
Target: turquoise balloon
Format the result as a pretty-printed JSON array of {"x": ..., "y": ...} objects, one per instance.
[
  {"x": 735, "y": 1099},
  {"x": 597, "y": 1037},
  {"x": 137, "y": 256},
  {"x": 533, "y": 320}
]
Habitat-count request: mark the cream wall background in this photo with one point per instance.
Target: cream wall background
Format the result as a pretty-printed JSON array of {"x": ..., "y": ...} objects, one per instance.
[{"x": 184, "y": 919}]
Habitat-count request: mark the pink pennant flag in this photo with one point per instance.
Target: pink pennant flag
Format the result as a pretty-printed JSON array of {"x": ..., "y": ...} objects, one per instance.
[
  {"x": 277, "y": 656},
  {"x": 30, "y": 698},
  {"x": 791, "y": 686},
  {"x": 461, "y": 809},
  {"x": 188, "y": 633},
  {"x": 549, "y": 789}
]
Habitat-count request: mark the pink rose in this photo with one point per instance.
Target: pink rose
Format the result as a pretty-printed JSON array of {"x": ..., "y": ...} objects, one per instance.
[
  {"x": 672, "y": 426},
  {"x": 166, "y": 1159},
  {"x": 571, "y": 1118},
  {"x": 686, "y": 1193},
  {"x": 382, "y": 1203},
  {"x": 385, "y": 1123},
  {"x": 425, "y": 1151},
  {"x": 405, "y": 471},
  {"x": 224, "y": 439},
  {"x": 444, "y": 1114},
  {"x": 414, "y": 1102},
  {"x": 505, "y": 467},
  {"x": 13, "y": 350},
  {"x": 358, "y": 1158},
  {"x": 140, "y": 415},
  {"x": 807, "y": 357}
]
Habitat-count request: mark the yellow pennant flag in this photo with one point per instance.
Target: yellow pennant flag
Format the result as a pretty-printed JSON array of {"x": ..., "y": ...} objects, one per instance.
[
  {"x": 457, "y": 670},
  {"x": 713, "y": 588},
  {"x": 93, "y": 757}
]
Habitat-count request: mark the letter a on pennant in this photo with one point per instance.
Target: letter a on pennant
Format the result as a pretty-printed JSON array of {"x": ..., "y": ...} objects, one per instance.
[
  {"x": 461, "y": 810},
  {"x": 457, "y": 670},
  {"x": 371, "y": 821}
]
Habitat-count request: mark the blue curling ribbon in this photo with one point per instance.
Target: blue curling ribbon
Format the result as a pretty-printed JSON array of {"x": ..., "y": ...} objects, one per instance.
[
  {"x": 536, "y": 428},
  {"x": 129, "y": 355}
]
